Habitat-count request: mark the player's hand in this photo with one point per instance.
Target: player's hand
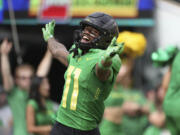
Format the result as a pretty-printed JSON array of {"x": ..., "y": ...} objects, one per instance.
[
  {"x": 48, "y": 31},
  {"x": 113, "y": 49},
  {"x": 164, "y": 57},
  {"x": 5, "y": 47}
]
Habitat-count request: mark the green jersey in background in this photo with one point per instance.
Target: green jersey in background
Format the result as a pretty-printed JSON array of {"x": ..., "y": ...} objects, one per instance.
[
  {"x": 171, "y": 103},
  {"x": 137, "y": 124},
  {"x": 82, "y": 104},
  {"x": 129, "y": 125},
  {"x": 107, "y": 127},
  {"x": 17, "y": 100},
  {"x": 110, "y": 128},
  {"x": 46, "y": 117},
  {"x": 152, "y": 130}
]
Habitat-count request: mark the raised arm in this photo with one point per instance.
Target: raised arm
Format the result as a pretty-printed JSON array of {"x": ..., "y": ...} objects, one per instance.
[
  {"x": 57, "y": 49},
  {"x": 164, "y": 85},
  {"x": 103, "y": 68},
  {"x": 44, "y": 65},
  {"x": 5, "y": 65},
  {"x": 166, "y": 80}
]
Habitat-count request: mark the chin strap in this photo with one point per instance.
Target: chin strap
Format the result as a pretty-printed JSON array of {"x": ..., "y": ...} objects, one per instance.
[{"x": 80, "y": 49}]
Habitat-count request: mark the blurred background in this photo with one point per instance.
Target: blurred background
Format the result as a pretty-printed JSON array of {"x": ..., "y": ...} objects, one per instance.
[{"x": 21, "y": 22}]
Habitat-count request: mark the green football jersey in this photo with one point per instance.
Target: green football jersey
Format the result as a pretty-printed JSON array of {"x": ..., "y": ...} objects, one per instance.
[
  {"x": 17, "y": 100},
  {"x": 117, "y": 97},
  {"x": 172, "y": 99},
  {"x": 114, "y": 99},
  {"x": 129, "y": 122},
  {"x": 82, "y": 104},
  {"x": 43, "y": 117},
  {"x": 110, "y": 128},
  {"x": 152, "y": 130}
]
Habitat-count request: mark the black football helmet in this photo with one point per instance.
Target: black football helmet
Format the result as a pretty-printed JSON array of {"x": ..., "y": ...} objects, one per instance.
[{"x": 106, "y": 26}]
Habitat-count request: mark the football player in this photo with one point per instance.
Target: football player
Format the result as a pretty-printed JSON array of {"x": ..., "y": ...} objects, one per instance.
[
  {"x": 92, "y": 66},
  {"x": 170, "y": 56}
]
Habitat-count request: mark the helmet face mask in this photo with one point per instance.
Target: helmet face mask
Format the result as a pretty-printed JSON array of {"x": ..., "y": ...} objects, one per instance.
[{"x": 104, "y": 24}]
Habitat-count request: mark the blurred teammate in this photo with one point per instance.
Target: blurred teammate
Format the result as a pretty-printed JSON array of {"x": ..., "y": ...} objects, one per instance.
[
  {"x": 169, "y": 56},
  {"x": 18, "y": 87},
  {"x": 92, "y": 68},
  {"x": 157, "y": 118},
  {"x": 125, "y": 107}
]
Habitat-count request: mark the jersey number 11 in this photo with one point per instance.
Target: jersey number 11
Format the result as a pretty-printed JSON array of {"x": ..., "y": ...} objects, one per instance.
[{"x": 75, "y": 92}]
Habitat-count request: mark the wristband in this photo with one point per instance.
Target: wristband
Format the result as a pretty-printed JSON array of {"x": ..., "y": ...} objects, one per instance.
[{"x": 50, "y": 36}]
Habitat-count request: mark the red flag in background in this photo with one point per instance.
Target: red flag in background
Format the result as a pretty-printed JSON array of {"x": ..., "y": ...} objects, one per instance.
[{"x": 55, "y": 9}]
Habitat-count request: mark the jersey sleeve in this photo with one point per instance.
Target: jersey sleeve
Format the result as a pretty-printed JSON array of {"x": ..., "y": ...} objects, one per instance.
[
  {"x": 33, "y": 104},
  {"x": 116, "y": 64}
]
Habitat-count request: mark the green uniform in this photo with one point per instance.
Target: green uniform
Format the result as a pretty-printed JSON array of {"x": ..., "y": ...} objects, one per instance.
[
  {"x": 17, "y": 100},
  {"x": 129, "y": 124},
  {"x": 82, "y": 104},
  {"x": 109, "y": 128},
  {"x": 134, "y": 125},
  {"x": 43, "y": 117},
  {"x": 152, "y": 130},
  {"x": 116, "y": 97},
  {"x": 172, "y": 98}
]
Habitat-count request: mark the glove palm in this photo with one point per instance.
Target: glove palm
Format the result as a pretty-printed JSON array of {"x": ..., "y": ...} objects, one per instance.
[
  {"x": 113, "y": 49},
  {"x": 48, "y": 31}
]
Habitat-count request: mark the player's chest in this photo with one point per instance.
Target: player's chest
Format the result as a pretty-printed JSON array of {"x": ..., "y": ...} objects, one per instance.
[
  {"x": 81, "y": 68},
  {"x": 77, "y": 73}
]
